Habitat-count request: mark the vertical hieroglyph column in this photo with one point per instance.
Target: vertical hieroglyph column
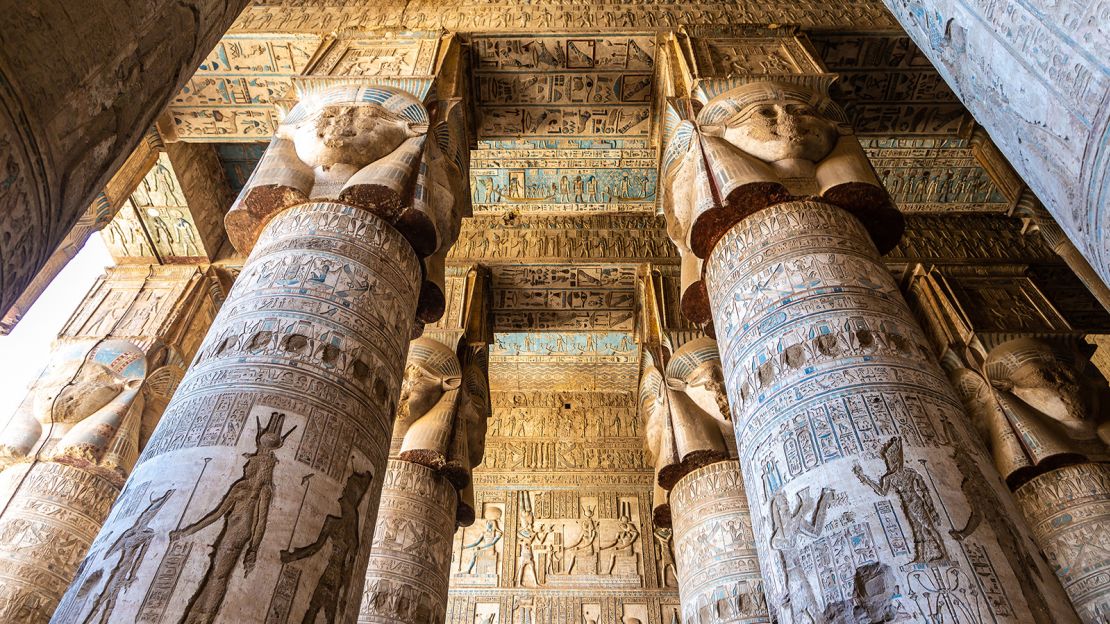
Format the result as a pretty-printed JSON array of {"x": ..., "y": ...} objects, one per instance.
[
  {"x": 81, "y": 83},
  {"x": 866, "y": 489},
  {"x": 699, "y": 489},
  {"x": 268, "y": 463},
  {"x": 66, "y": 451},
  {"x": 438, "y": 438}
]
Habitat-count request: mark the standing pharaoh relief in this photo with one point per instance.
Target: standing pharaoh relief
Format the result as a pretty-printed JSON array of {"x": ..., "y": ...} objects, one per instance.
[{"x": 859, "y": 463}]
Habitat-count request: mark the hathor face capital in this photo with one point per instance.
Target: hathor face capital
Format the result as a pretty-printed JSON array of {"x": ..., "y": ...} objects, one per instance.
[
  {"x": 349, "y": 134},
  {"x": 775, "y": 121}
]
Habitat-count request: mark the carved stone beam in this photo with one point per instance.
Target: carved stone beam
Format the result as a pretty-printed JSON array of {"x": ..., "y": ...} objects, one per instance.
[
  {"x": 96, "y": 218},
  {"x": 1051, "y": 124},
  {"x": 175, "y": 215},
  {"x": 1033, "y": 214}
]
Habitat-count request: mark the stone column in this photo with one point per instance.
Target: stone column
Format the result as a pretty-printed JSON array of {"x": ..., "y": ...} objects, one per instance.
[
  {"x": 81, "y": 84},
  {"x": 1035, "y": 74},
  {"x": 1035, "y": 406},
  {"x": 1069, "y": 512},
  {"x": 699, "y": 489},
  {"x": 869, "y": 498},
  {"x": 269, "y": 461},
  {"x": 410, "y": 565},
  {"x": 718, "y": 570},
  {"x": 66, "y": 451}
]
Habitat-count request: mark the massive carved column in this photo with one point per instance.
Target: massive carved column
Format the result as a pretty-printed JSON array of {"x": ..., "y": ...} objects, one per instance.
[
  {"x": 1038, "y": 413},
  {"x": 870, "y": 500},
  {"x": 68, "y": 449},
  {"x": 81, "y": 84},
  {"x": 1035, "y": 74},
  {"x": 439, "y": 437},
  {"x": 270, "y": 459},
  {"x": 699, "y": 489}
]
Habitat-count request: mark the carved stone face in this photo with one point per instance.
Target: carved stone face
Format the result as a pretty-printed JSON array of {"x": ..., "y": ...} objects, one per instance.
[
  {"x": 93, "y": 386},
  {"x": 780, "y": 129},
  {"x": 349, "y": 135},
  {"x": 420, "y": 391},
  {"x": 1055, "y": 389}
]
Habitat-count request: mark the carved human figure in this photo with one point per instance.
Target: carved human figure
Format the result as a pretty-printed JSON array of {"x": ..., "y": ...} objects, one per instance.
[
  {"x": 587, "y": 541},
  {"x": 806, "y": 519},
  {"x": 132, "y": 546},
  {"x": 627, "y": 535},
  {"x": 487, "y": 541},
  {"x": 243, "y": 513},
  {"x": 340, "y": 532},
  {"x": 917, "y": 502},
  {"x": 664, "y": 548}
]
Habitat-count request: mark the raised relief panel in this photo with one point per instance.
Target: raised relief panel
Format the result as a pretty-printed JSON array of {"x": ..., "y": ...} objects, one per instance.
[
  {"x": 479, "y": 550},
  {"x": 232, "y": 95},
  {"x": 491, "y": 240},
  {"x": 565, "y": 123},
  {"x": 553, "y": 297},
  {"x": 397, "y": 55},
  {"x": 932, "y": 174}
]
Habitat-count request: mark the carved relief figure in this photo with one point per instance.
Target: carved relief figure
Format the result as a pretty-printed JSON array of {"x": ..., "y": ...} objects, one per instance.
[
  {"x": 790, "y": 525},
  {"x": 917, "y": 502},
  {"x": 587, "y": 542},
  {"x": 243, "y": 512},
  {"x": 486, "y": 543},
  {"x": 342, "y": 533},
  {"x": 132, "y": 547}
]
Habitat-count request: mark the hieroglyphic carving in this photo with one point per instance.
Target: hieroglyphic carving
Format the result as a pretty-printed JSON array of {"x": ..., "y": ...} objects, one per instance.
[
  {"x": 1068, "y": 511},
  {"x": 780, "y": 354},
  {"x": 315, "y": 475},
  {"x": 407, "y": 577},
  {"x": 553, "y": 297},
  {"x": 232, "y": 94},
  {"x": 933, "y": 175},
  {"x": 590, "y": 238},
  {"x": 1004, "y": 62},
  {"x": 292, "y": 16},
  {"x": 718, "y": 572}
]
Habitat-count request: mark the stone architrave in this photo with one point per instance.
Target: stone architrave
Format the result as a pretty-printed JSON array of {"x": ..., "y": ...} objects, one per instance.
[
  {"x": 718, "y": 570},
  {"x": 272, "y": 453},
  {"x": 82, "y": 83},
  {"x": 98, "y": 215},
  {"x": 847, "y": 430},
  {"x": 1035, "y": 75},
  {"x": 66, "y": 452},
  {"x": 1068, "y": 510}
]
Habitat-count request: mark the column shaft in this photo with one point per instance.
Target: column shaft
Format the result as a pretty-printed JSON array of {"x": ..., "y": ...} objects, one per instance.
[
  {"x": 718, "y": 571},
  {"x": 869, "y": 498},
  {"x": 1068, "y": 510},
  {"x": 408, "y": 574},
  {"x": 269, "y": 459}
]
